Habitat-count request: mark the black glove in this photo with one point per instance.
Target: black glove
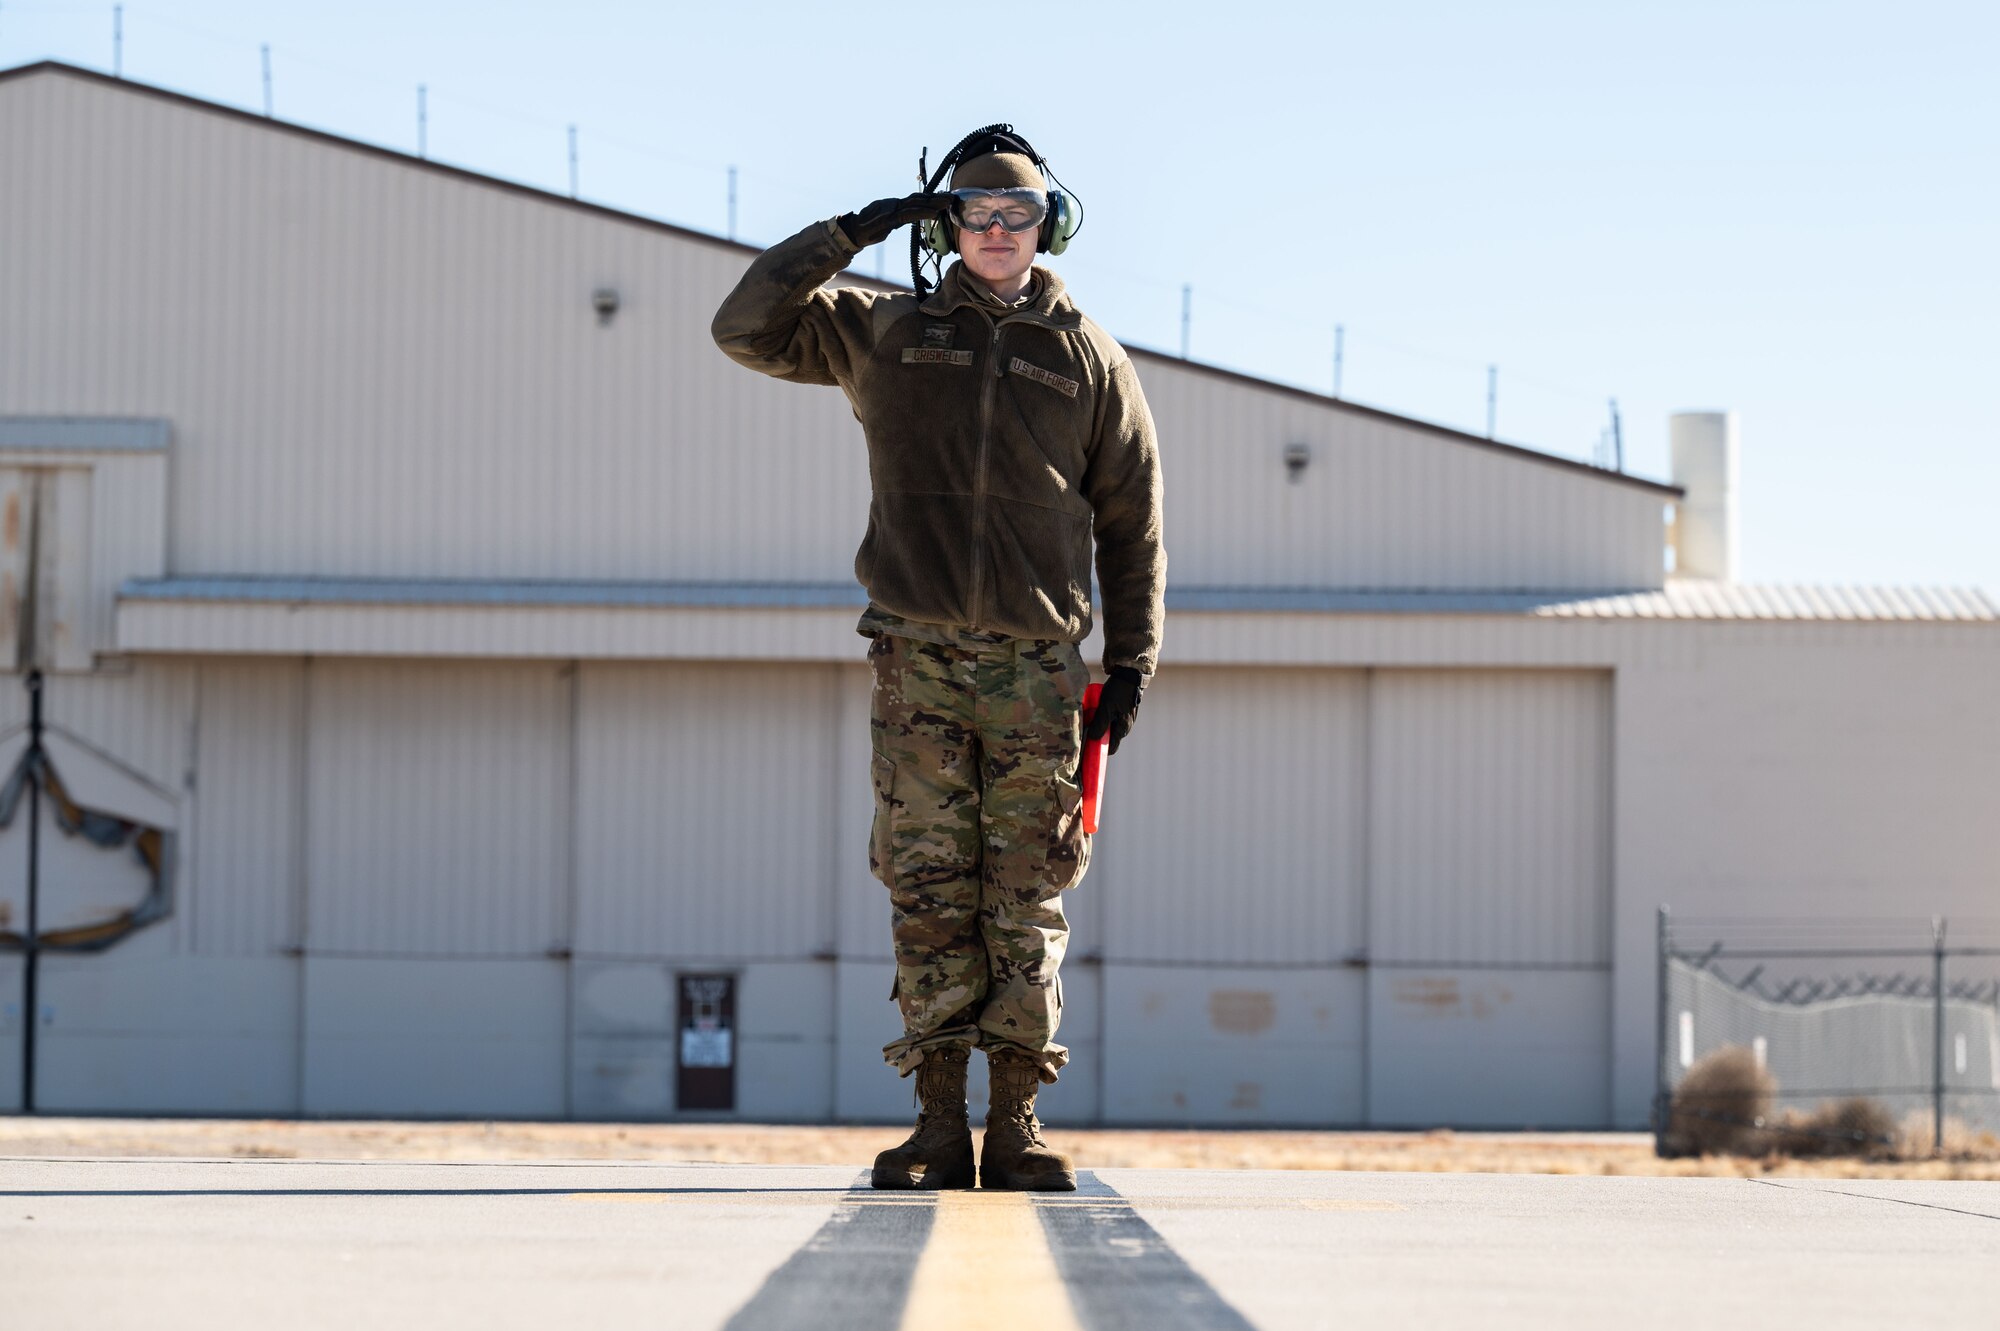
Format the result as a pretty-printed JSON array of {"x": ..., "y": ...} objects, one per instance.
[
  {"x": 1117, "y": 705},
  {"x": 873, "y": 224}
]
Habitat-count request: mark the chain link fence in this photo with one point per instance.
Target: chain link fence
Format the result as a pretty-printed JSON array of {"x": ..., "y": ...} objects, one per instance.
[{"x": 1902, "y": 1012}]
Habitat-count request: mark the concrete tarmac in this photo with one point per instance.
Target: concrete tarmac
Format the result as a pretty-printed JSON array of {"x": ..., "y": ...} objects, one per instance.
[{"x": 229, "y": 1245}]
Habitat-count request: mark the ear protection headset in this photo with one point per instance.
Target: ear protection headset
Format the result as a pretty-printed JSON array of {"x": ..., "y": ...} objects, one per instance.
[{"x": 937, "y": 238}]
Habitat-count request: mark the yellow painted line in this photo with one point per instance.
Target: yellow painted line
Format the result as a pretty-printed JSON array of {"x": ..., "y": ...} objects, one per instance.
[{"x": 987, "y": 1267}]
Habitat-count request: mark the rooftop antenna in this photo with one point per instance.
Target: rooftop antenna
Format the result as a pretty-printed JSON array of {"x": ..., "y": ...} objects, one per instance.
[
  {"x": 732, "y": 203},
  {"x": 1339, "y": 338},
  {"x": 1492, "y": 397},
  {"x": 1617, "y": 438},
  {"x": 1187, "y": 305},
  {"x": 572, "y": 161},
  {"x": 423, "y": 121},
  {"x": 267, "y": 80},
  {"x": 117, "y": 41}
]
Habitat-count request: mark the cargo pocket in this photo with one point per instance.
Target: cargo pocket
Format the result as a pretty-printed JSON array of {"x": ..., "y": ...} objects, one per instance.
[
  {"x": 1069, "y": 849},
  {"x": 882, "y": 835}
]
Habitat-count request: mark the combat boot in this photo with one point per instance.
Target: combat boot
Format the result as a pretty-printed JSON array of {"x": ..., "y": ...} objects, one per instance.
[
  {"x": 1014, "y": 1156},
  {"x": 939, "y": 1152}
]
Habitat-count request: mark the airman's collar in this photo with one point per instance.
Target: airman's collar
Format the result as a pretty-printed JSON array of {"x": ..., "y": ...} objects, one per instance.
[{"x": 1049, "y": 306}]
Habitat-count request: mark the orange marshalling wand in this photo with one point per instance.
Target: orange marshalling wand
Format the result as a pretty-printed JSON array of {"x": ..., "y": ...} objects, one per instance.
[{"x": 1096, "y": 753}]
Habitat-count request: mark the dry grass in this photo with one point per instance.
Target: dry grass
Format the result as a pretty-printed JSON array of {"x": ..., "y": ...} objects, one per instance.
[
  {"x": 1970, "y": 1156},
  {"x": 1722, "y": 1108},
  {"x": 1722, "y": 1105}
]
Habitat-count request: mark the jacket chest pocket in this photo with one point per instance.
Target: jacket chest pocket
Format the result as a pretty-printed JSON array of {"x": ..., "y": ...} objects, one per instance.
[{"x": 1055, "y": 420}]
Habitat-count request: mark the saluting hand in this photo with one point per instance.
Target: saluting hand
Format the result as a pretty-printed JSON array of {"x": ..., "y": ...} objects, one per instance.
[{"x": 873, "y": 224}]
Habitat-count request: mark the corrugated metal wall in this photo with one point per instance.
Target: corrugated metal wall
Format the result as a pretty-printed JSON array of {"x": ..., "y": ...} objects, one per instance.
[
  {"x": 1490, "y": 897},
  {"x": 376, "y": 369},
  {"x": 1456, "y": 822},
  {"x": 705, "y": 806},
  {"x": 437, "y": 808},
  {"x": 475, "y": 419},
  {"x": 1380, "y": 505},
  {"x": 1490, "y": 818},
  {"x": 248, "y": 809},
  {"x": 1237, "y": 831},
  {"x": 1283, "y": 825}
]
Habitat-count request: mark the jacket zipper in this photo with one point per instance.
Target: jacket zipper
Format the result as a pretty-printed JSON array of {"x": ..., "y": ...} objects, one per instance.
[{"x": 979, "y": 470}]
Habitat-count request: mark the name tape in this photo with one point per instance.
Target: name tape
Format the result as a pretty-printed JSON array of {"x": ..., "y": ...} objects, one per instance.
[{"x": 1067, "y": 387}]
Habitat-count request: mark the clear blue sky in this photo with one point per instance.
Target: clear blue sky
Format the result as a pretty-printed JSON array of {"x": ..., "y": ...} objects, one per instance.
[{"x": 1785, "y": 209}]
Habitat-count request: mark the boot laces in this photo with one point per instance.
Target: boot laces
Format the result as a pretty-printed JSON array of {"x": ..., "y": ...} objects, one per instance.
[
  {"x": 940, "y": 1096},
  {"x": 1023, "y": 1113},
  {"x": 1017, "y": 1084}
]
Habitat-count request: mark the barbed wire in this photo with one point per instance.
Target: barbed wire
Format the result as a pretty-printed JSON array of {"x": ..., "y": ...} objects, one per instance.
[{"x": 1800, "y": 991}]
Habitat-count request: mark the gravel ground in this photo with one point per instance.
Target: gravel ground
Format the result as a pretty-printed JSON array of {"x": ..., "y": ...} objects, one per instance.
[{"x": 749, "y": 1143}]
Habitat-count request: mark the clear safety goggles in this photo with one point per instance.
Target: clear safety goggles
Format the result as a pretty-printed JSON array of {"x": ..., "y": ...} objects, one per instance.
[{"x": 1016, "y": 208}]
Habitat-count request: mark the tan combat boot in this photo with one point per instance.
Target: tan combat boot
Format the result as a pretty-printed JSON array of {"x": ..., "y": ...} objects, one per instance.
[
  {"x": 1014, "y": 1156},
  {"x": 939, "y": 1153}
]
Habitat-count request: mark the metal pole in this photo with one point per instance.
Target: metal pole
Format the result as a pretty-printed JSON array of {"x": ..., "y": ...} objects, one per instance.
[
  {"x": 572, "y": 161},
  {"x": 1339, "y": 350},
  {"x": 117, "y": 41},
  {"x": 1492, "y": 397},
  {"x": 267, "y": 80},
  {"x": 1937, "y": 1051},
  {"x": 732, "y": 203},
  {"x": 1660, "y": 1099},
  {"x": 1617, "y": 438},
  {"x": 423, "y": 121},
  {"x": 33, "y": 941},
  {"x": 1187, "y": 300}
]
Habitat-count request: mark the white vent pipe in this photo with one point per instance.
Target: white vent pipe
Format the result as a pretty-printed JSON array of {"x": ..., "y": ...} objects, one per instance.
[{"x": 1705, "y": 465}]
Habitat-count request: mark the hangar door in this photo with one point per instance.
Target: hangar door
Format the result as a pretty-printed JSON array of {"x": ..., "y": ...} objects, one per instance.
[{"x": 1489, "y": 881}]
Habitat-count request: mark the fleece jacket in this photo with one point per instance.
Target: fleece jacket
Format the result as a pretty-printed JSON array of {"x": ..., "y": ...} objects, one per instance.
[{"x": 1001, "y": 442}]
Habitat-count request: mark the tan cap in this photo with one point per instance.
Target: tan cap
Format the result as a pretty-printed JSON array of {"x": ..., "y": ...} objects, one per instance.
[{"x": 997, "y": 171}]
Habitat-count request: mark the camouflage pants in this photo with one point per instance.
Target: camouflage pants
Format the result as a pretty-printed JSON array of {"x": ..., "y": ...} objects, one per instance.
[{"x": 978, "y": 830}]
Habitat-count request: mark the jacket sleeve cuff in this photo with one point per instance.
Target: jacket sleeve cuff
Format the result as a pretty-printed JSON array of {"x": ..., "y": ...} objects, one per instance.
[
  {"x": 1141, "y": 664},
  {"x": 840, "y": 239}
]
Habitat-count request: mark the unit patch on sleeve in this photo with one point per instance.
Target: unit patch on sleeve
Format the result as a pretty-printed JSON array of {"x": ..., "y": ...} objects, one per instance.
[
  {"x": 1067, "y": 387},
  {"x": 935, "y": 356}
]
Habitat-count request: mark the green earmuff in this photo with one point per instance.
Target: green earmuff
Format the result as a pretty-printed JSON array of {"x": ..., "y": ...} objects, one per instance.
[
  {"x": 937, "y": 235},
  {"x": 1064, "y": 220}
]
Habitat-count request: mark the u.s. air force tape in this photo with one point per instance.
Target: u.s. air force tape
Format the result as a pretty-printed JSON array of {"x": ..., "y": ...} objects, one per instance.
[{"x": 1067, "y": 387}]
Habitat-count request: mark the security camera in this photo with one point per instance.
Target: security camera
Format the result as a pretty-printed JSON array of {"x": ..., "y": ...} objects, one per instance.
[{"x": 605, "y": 301}]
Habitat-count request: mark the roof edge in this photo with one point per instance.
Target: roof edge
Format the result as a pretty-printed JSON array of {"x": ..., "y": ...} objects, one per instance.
[
  {"x": 1675, "y": 602},
  {"x": 397, "y": 155},
  {"x": 465, "y": 175},
  {"x": 1664, "y": 489}
]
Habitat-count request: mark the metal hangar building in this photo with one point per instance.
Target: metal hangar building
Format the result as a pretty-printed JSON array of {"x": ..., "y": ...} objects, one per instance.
[{"x": 452, "y": 691}]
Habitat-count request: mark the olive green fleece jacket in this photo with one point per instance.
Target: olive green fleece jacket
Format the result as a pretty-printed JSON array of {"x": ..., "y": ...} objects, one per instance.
[{"x": 999, "y": 441}]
